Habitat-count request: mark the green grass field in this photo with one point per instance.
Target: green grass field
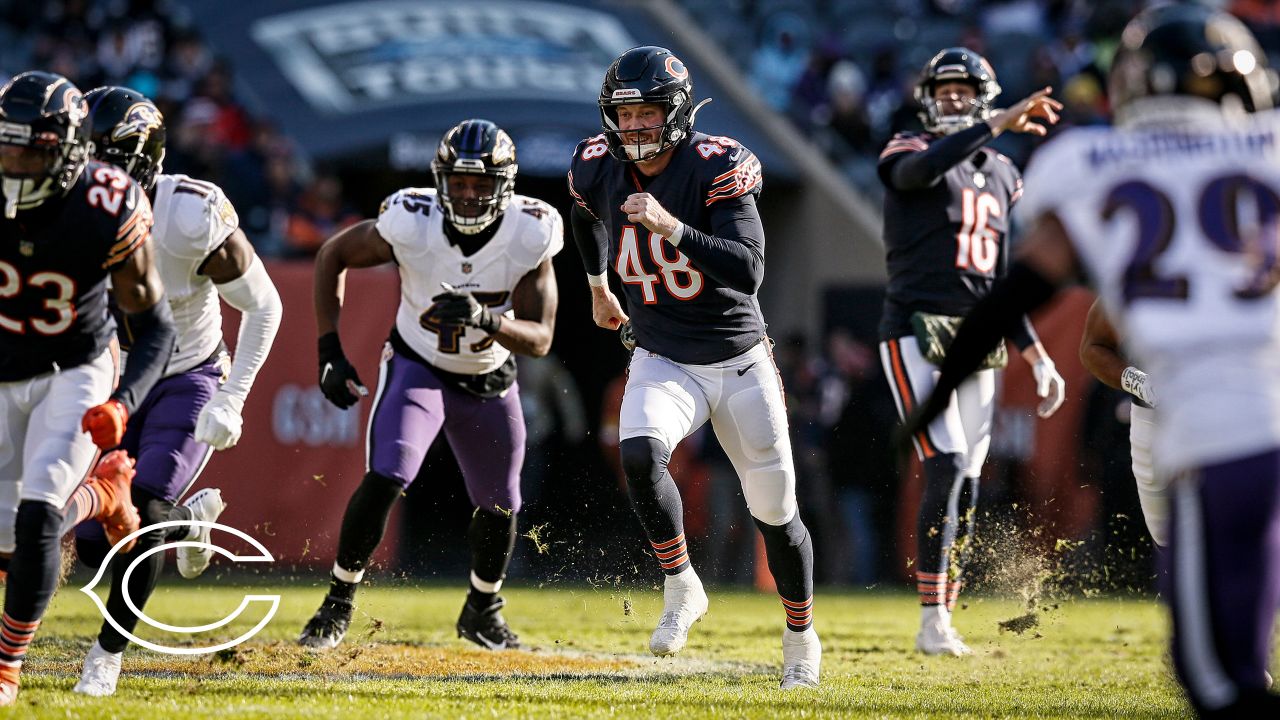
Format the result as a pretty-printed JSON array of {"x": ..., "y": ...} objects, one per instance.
[{"x": 587, "y": 657}]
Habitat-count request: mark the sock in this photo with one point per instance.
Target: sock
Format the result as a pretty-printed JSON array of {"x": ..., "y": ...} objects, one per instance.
[
  {"x": 181, "y": 532},
  {"x": 86, "y": 502},
  {"x": 936, "y": 526},
  {"x": 934, "y": 615},
  {"x": 492, "y": 537},
  {"x": 656, "y": 500},
  {"x": 142, "y": 582},
  {"x": 33, "y": 577},
  {"x": 363, "y": 526},
  {"x": 966, "y": 534},
  {"x": 789, "y": 551}
]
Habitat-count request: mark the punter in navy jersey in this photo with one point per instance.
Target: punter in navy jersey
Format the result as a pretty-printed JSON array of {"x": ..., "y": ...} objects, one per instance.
[
  {"x": 68, "y": 226},
  {"x": 673, "y": 213},
  {"x": 1170, "y": 213},
  {"x": 946, "y": 225}
]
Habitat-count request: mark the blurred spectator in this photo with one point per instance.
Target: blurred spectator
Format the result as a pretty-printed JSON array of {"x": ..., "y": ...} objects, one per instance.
[
  {"x": 776, "y": 65},
  {"x": 321, "y": 212},
  {"x": 848, "y": 117}
]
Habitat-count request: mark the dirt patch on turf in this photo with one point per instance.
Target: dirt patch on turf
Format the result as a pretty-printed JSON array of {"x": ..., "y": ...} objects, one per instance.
[{"x": 376, "y": 660}]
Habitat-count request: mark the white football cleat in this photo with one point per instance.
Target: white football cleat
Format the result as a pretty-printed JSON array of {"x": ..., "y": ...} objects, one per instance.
[
  {"x": 100, "y": 673},
  {"x": 684, "y": 602},
  {"x": 205, "y": 505},
  {"x": 938, "y": 639},
  {"x": 801, "y": 658}
]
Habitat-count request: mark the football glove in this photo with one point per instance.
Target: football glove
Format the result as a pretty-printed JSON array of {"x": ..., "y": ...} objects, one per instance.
[
  {"x": 219, "y": 422},
  {"x": 1050, "y": 386},
  {"x": 1136, "y": 383},
  {"x": 338, "y": 379},
  {"x": 627, "y": 335},
  {"x": 462, "y": 308},
  {"x": 105, "y": 423}
]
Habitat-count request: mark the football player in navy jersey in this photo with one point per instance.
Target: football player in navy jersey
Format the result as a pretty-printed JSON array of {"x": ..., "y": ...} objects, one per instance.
[
  {"x": 673, "y": 212},
  {"x": 1170, "y": 213},
  {"x": 946, "y": 221},
  {"x": 69, "y": 226}
]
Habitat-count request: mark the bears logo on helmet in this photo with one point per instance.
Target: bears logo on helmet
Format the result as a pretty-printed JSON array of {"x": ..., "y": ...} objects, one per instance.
[
  {"x": 647, "y": 75},
  {"x": 42, "y": 114}
]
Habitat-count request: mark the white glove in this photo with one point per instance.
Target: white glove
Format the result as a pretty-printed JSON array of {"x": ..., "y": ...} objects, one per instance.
[
  {"x": 1136, "y": 383},
  {"x": 1050, "y": 386},
  {"x": 219, "y": 423}
]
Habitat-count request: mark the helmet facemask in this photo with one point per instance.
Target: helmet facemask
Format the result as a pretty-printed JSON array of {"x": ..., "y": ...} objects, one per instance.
[
  {"x": 472, "y": 215},
  {"x": 956, "y": 65},
  {"x": 626, "y": 145},
  {"x": 36, "y": 166}
]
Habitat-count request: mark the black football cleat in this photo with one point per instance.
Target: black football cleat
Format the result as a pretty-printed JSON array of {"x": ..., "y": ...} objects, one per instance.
[
  {"x": 328, "y": 626},
  {"x": 486, "y": 627}
]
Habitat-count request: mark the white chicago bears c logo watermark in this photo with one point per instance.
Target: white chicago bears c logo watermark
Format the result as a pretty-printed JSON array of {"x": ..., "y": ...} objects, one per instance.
[{"x": 265, "y": 556}]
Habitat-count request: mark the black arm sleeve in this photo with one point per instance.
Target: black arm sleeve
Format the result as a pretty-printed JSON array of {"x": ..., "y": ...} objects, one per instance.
[
  {"x": 734, "y": 255},
  {"x": 153, "y": 338},
  {"x": 919, "y": 170},
  {"x": 591, "y": 238},
  {"x": 993, "y": 318},
  {"x": 1024, "y": 334}
]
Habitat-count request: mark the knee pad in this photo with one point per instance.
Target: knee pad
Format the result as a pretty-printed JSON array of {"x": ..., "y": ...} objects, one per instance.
[
  {"x": 770, "y": 494},
  {"x": 644, "y": 459}
]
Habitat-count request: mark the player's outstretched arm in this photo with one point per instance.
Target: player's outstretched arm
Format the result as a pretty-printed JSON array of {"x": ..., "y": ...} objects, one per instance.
[
  {"x": 1100, "y": 354},
  {"x": 915, "y": 170},
  {"x": 920, "y": 169},
  {"x": 358, "y": 246},
  {"x": 242, "y": 281},
  {"x": 589, "y": 235},
  {"x": 1045, "y": 262},
  {"x": 140, "y": 296}
]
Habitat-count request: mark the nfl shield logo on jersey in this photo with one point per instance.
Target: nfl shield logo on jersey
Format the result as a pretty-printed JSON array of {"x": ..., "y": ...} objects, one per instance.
[{"x": 466, "y": 268}]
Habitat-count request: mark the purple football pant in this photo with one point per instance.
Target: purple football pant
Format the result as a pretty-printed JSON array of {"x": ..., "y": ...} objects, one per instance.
[
  {"x": 1223, "y": 579},
  {"x": 160, "y": 436},
  {"x": 411, "y": 407}
]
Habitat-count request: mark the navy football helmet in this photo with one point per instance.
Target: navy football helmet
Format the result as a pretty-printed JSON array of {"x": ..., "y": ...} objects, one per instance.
[
  {"x": 1191, "y": 51},
  {"x": 127, "y": 130},
  {"x": 647, "y": 75},
  {"x": 44, "y": 138},
  {"x": 956, "y": 64},
  {"x": 476, "y": 147}
]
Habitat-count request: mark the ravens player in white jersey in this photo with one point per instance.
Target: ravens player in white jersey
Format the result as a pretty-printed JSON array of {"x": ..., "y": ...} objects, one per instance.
[
  {"x": 70, "y": 225},
  {"x": 1101, "y": 355},
  {"x": 476, "y": 286},
  {"x": 1172, "y": 214},
  {"x": 673, "y": 212},
  {"x": 946, "y": 222},
  {"x": 201, "y": 255}
]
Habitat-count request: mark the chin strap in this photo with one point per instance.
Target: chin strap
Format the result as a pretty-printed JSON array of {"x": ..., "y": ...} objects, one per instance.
[{"x": 24, "y": 195}]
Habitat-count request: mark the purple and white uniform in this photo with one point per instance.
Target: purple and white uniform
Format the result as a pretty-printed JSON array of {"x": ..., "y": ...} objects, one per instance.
[
  {"x": 453, "y": 378},
  {"x": 1175, "y": 223}
]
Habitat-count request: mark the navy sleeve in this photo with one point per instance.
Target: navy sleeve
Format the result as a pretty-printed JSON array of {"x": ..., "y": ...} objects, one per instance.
[
  {"x": 734, "y": 254},
  {"x": 909, "y": 163},
  {"x": 592, "y": 239}
]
